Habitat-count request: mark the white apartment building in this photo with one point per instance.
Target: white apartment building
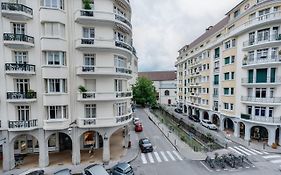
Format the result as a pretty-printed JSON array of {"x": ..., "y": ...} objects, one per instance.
[
  {"x": 165, "y": 85},
  {"x": 66, "y": 73},
  {"x": 231, "y": 73}
]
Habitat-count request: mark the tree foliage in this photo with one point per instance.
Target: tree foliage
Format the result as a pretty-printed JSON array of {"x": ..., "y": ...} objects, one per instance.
[{"x": 144, "y": 92}]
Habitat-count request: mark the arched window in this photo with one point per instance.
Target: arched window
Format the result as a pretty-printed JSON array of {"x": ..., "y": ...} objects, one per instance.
[{"x": 167, "y": 93}]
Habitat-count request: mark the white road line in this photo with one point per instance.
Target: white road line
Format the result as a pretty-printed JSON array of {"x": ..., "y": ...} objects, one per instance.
[
  {"x": 276, "y": 161},
  {"x": 206, "y": 167},
  {"x": 244, "y": 152},
  {"x": 171, "y": 156},
  {"x": 150, "y": 157},
  {"x": 235, "y": 150},
  {"x": 157, "y": 156},
  {"x": 144, "y": 161},
  {"x": 249, "y": 151},
  {"x": 177, "y": 155},
  {"x": 164, "y": 156},
  {"x": 271, "y": 156},
  {"x": 256, "y": 151},
  {"x": 265, "y": 152}
]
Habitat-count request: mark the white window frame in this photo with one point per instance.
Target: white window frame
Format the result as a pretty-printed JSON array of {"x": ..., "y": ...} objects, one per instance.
[
  {"x": 21, "y": 57},
  {"x": 60, "y": 112},
  {"x": 120, "y": 109},
  {"x": 59, "y": 4},
  {"x": 52, "y": 83},
  {"x": 90, "y": 110},
  {"x": 54, "y": 57},
  {"x": 23, "y": 113}
]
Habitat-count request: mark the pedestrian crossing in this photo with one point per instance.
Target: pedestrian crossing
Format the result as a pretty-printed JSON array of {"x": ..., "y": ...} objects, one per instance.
[
  {"x": 273, "y": 158},
  {"x": 159, "y": 157},
  {"x": 243, "y": 151}
]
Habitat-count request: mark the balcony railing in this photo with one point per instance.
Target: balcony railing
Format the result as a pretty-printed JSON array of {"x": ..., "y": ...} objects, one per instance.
[
  {"x": 261, "y": 100},
  {"x": 89, "y": 121},
  {"x": 261, "y": 40},
  {"x": 262, "y": 60},
  {"x": 123, "y": 45},
  {"x": 16, "y": 7},
  {"x": 88, "y": 41},
  {"x": 88, "y": 68},
  {"x": 123, "y": 70},
  {"x": 123, "y": 19},
  {"x": 269, "y": 80},
  {"x": 89, "y": 13},
  {"x": 21, "y": 95},
  {"x": 261, "y": 118},
  {"x": 18, "y": 37},
  {"x": 121, "y": 119},
  {"x": 23, "y": 124},
  {"x": 89, "y": 95},
  {"x": 123, "y": 94},
  {"x": 19, "y": 67}
]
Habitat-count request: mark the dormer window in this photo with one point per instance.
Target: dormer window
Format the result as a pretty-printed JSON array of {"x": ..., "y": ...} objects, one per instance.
[{"x": 236, "y": 13}]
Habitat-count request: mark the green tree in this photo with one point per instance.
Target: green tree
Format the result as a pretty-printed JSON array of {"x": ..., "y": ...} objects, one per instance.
[{"x": 144, "y": 92}]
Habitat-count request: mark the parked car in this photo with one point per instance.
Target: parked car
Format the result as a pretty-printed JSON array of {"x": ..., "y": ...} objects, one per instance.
[
  {"x": 145, "y": 145},
  {"x": 34, "y": 172},
  {"x": 65, "y": 171},
  {"x": 208, "y": 124},
  {"x": 95, "y": 169},
  {"x": 178, "y": 110},
  {"x": 138, "y": 127},
  {"x": 136, "y": 120},
  {"x": 194, "y": 118},
  {"x": 122, "y": 169}
]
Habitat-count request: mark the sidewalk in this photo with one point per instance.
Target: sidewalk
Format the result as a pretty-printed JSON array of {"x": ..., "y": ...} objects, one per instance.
[
  {"x": 179, "y": 145},
  {"x": 128, "y": 155},
  {"x": 222, "y": 135}
]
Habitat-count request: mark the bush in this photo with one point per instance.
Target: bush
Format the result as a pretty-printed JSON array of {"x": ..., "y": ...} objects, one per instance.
[
  {"x": 87, "y": 4},
  {"x": 82, "y": 89}
]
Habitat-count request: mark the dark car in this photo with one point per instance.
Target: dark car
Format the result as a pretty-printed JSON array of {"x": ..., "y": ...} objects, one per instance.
[
  {"x": 122, "y": 169},
  {"x": 145, "y": 145},
  {"x": 177, "y": 110},
  {"x": 194, "y": 118},
  {"x": 36, "y": 172},
  {"x": 65, "y": 171}
]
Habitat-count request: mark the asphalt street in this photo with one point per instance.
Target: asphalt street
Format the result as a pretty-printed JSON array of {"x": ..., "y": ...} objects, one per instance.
[{"x": 165, "y": 160}]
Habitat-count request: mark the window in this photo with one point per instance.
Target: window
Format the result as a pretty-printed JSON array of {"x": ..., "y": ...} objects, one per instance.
[
  {"x": 23, "y": 113},
  {"x": 19, "y": 28},
  {"x": 120, "y": 36},
  {"x": 56, "y": 4},
  {"x": 57, "y": 112},
  {"x": 227, "y": 45},
  {"x": 216, "y": 79},
  {"x": 270, "y": 112},
  {"x": 89, "y": 59},
  {"x": 233, "y": 42},
  {"x": 249, "y": 109},
  {"x": 54, "y": 29},
  {"x": 55, "y": 58},
  {"x": 260, "y": 92},
  {"x": 229, "y": 76},
  {"x": 264, "y": 35},
  {"x": 262, "y": 54},
  {"x": 21, "y": 57},
  {"x": 228, "y": 106},
  {"x": 121, "y": 109},
  {"x": 56, "y": 85},
  {"x": 22, "y": 85},
  {"x": 217, "y": 52},
  {"x": 167, "y": 92},
  {"x": 90, "y": 111},
  {"x": 118, "y": 85},
  {"x": 261, "y": 76},
  {"x": 118, "y": 11},
  {"x": 88, "y": 32},
  {"x": 120, "y": 62},
  {"x": 228, "y": 91},
  {"x": 236, "y": 13}
]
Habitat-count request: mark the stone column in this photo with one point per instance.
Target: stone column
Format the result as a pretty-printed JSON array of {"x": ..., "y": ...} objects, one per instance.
[
  {"x": 127, "y": 137},
  {"x": 106, "y": 149},
  {"x": 8, "y": 162},
  {"x": 247, "y": 132},
  {"x": 236, "y": 129},
  {"x": 271, "y": 135},
  {"x": 221, "y": 123},
  {"x": 201, "y": 115},
  {"x": 75, "y": 147},
  {"x": 43, "y": 150},
  {"x": 280, "y": 136},
  {"x": 97, "y": 140}
]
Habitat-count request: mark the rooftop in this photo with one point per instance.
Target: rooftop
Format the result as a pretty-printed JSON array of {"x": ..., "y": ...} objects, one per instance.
[{"x": 159, "y": 75}]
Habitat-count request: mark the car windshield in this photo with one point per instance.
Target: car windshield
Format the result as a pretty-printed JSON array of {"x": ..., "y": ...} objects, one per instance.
[
  {"x": 209, "y": 122},
  {"x": 146, "y": 141},
  {"x": 128, "y": 169}
]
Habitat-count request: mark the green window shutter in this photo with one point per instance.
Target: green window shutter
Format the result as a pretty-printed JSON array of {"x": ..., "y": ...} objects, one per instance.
[
  {"x": 250, "y": 76},
  {"x": 261, "y": 76},
  {"x": 216, "y": 79},
  {"x": 226, "y": 60},
  {"x": 272, "y": 75},
  {"x": 226, "y": 91},
  {"x": 226, "y": 76}
]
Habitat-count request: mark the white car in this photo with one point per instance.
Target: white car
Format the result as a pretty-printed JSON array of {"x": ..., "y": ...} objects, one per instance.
[
  {"x": 208, "y": 124},
  {"x": 136, "y": 120}
]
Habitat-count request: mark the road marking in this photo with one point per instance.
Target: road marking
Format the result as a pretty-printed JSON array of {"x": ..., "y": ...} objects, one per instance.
[
  {"x": 144, "y": 161},
  {"x": 206, "y": 167},
  {"x": 247, "y": 150},
  {"x": 242, "y": 150},
  {"x": 271, "y": 156},
  {"x": 171, "y": 156},
  {"x": 256, "y": 151},
  {"x": 276, "y": 161},
  {"x": 265, "y": 152},
  {"x": 157, "y": 156},
  {"x": 164, "y": 156},
  {"x": 235, "y": 150},
  {"x": 150, "y": 157},
  {"x": 177, "y": 155}
]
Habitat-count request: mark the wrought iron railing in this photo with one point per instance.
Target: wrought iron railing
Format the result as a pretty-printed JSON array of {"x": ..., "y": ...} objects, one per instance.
[
  {"x": 16, "y": 7},
  {"x": 18, "y": 37},
  {"x": 19, "y": 67}
]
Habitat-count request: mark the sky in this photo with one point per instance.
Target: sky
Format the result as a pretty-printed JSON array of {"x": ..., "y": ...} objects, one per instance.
[{"x": 162, "y": 27}]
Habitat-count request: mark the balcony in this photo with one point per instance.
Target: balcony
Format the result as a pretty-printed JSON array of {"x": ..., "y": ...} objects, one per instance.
[
  {"x": 216, "y": 70},
  {"x": 23, "y": 125},
  {"x": 268, "y": 100},
  {"x": 96, "y": 70},
  {"x": 17, "y": 12},
  {"x": 269, "y": 81},
  {"x": 18, "y": 41},
  {"x": 123, "y": 45},
  {"x": 19, "y": 97},
  {"x": 103, "y": 96},
  {"x": 270, "y": 41},
  {"x": 261, "y": 61},
  {"x": 262, "y": 119},
  {"x": 104, "y": 122},
  {"x": 19, "y": 69},
  {"x": 56, "y": 124}
]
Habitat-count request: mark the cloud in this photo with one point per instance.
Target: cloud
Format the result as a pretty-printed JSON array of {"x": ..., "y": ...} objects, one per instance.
[{"x": 162, "y": 27}]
